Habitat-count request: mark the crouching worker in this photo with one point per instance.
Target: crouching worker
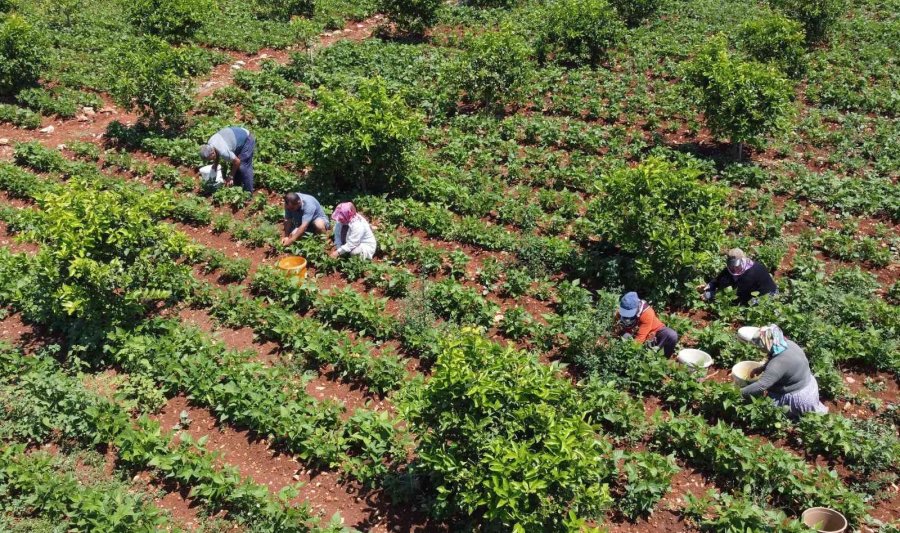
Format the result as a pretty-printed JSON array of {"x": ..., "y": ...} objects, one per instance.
[
  {"x": 236, "y": 146},
  {"x": 635, "y": 319},
  {"x": 749, "y": 279},
  {"x": 302, "y": 212},
  {"x": 786, "y": 375},
  {"x": 352, "y": 233}
]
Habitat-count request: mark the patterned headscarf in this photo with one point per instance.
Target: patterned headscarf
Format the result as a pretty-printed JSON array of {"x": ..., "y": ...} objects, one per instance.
[
  {"x": 344, "y": 212},
  {"x": 737, "y": 261},
  {"x": 771, "y": 339}
]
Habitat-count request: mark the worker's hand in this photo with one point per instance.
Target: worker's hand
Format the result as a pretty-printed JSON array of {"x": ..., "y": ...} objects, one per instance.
[
  {"x": 334, "y": 254},
  {"x": 286, "y": 241}
]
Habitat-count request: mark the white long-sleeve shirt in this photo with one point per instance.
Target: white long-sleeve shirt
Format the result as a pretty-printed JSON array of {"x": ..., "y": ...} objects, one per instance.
[{"x": 360, "y": 239}]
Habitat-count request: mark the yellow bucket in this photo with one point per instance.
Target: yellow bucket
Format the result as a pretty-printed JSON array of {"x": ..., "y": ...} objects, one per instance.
[{"x": 293, "y": 266}]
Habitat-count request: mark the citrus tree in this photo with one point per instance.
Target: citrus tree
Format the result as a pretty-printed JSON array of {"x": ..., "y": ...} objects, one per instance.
[
  {"x": 494, "y": 71},
  {"x": 775, "y": 39},
  {"x": 173, "y": 20},
  {"x": 501, "y": 441},
  {"x": 742, "y": 100},
  {"x": 577, "y": 31},
  {"x": 104, "y": 260},
  {"x": 23, "y": 53},
  {"x": 668, "y": 223},
  {"x": 411, "y": 16},
  {"x": 364, "y": 139}
]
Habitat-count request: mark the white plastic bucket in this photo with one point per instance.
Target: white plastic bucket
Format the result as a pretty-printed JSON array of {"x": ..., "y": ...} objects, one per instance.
[
  {"x": 747, "y": 333},
  {"x": 824, "y": 520},
  {"x": 695, "y": 358},
  {"x": 740, "y": 373}
]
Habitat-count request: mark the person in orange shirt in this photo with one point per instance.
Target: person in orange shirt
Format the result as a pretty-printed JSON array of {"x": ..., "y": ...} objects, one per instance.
[{"x": 635, "y": 319}]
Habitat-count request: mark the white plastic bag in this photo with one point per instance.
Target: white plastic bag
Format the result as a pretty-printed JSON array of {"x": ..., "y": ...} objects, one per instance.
[{"x": 207, "y": 178}]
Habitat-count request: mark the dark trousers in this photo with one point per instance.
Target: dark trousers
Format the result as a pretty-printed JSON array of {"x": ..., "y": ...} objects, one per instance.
[
  {"x": 244, "y": 176},
  {"x": 666, "y": 339}
]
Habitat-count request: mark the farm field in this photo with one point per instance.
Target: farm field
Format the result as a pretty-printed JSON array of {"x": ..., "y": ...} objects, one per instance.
[{"x": 524, "y": 164}]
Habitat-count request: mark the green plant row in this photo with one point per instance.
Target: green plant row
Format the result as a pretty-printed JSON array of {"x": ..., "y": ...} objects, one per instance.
[
  {"x": 31, "y": 484},
  {"x": 277, "y": 320},
  {"x": 39, "y": 158},
  {"x": 269, "y": 400},
  {"x": 20, "y": 117},
  {"x": 759, "y": 468},
  {"x": 141, "y": 444}
]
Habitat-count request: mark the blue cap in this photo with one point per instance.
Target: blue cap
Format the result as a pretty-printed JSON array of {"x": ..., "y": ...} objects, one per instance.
[{"x": 628, "y": 307}]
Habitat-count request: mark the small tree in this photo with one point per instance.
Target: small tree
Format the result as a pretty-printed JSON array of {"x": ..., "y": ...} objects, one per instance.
[
  {"x": 775, "y": 39},
  {"x": 363, "y": 140},
  {"x": 817, "y": 16},
  {"x": 104, "y": 261},
  {"x": 577, "y": 31},
  {"x": 667, "y": 223},
  {"x": 633, "y": 12},
  {"x": 742, "y": 100},
  {"x": 495, "y": 70},
  {"x": 155, "y": 80},
  {"x": 411, "y": 17},
  {"x": 285, "y": 9},
  {"x": 23, "y": 53},
  {"x": 502, "y": 441},
  {"x": 173, "y": 20}
]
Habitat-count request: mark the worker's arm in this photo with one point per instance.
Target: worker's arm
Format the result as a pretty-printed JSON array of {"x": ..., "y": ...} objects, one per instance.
[
  {"x": 235, "y": 166},
  {"x": 770, "y": 376},
  {"x": 296, "y": 234},
  {"x": 354, "y": 238},
  {"x": 720, "y": 282}
]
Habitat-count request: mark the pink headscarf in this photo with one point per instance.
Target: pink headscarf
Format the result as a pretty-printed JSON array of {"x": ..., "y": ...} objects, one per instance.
[{"x": 344, "y": 212}]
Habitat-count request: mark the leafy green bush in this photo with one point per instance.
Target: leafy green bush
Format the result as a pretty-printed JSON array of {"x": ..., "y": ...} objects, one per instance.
[
  {"x": 577, "y": 31},
  {"x": 104, "y": 261},
  {"x": 285, "y": 9},
  {"x": 23, "y": 54},
  {"x": 665, "y": 220},
  {"x": 363, "y": 140},
  {"x": 19, "y": 116},
  {"x": 501, "y": 443},
  {"x": 648, "y": 476},
  {"x": 774, "y": 38},
  {"x": 61, "y": 101},
  {"x": 494, "y": 70},
  {"x": 633, "y": 12},
  {"x": 411, "y": 16},
  {"x": 741, "y": 100},
  {"x": 817, "y": 16},
  {"x": 155, "y": 80},
  {"x": 173, "y": 20}
]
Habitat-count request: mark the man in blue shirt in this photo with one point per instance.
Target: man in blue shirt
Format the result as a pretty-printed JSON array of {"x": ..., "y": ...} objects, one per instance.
[
  {"x": 235, "y": 145},
  {"x": 302, "y": 211}
]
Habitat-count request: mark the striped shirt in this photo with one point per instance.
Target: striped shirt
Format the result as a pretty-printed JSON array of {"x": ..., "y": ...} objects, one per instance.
[{"x": 228, "y": 141}]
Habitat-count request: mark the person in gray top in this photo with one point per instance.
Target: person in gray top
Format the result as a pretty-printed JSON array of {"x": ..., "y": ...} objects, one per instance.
[
  {"x": 235, "y": 145},
  {"x": 301, "y": 212},
  {"x": 786, "y": 375}
]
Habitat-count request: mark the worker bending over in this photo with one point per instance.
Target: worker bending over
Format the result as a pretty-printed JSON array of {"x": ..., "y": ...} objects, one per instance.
[
  {"x": 786, "y": 375},
  {"x": 302, "y": 212},
  {"x": 749, "y": 279},
  {"x": 235, "y": 145},
  {"x": 636, "y": 319}
]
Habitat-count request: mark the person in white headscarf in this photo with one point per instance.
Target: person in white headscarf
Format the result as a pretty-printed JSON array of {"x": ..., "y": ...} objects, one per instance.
[{"x": 786, "y": 376}]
